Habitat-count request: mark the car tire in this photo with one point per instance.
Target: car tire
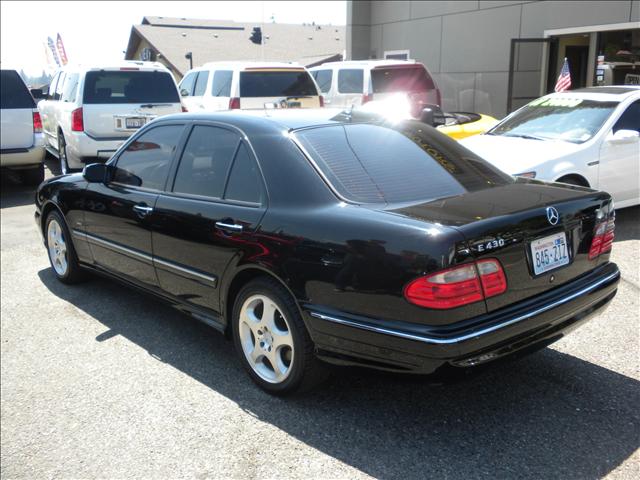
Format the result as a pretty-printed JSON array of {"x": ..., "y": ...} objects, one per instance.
[
  {"x": 62, "y": 255},
  {"x": 62, "y": 155},
  {"x": 281, "y": 339},
  {"x": 33, "y": 176}
]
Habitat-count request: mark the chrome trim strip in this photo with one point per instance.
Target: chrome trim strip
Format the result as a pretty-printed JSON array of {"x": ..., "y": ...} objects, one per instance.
[
  {"x": 154, "y": 260},
  {"x": 468, "y": 336},
  {"x": 112, "y": 245},
  {"x": 188, "y": 271}
]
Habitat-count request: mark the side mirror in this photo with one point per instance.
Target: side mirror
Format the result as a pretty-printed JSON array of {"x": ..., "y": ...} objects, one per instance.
[
  {"x": 37, "y": 93},
  {"x": 95, "y": 173},
  {"x": 184, "y": 92},
  {"x": 624, "y": 136}
]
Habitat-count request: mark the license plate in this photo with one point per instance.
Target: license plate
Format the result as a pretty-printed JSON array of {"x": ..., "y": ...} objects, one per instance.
[
  {"x": 134, "y": 122},
  {"x": 549, "y": 252}
]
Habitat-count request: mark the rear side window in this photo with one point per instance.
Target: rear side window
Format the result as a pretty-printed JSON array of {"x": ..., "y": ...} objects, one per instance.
[
  {"x": 205, "y": 162},
  {"x": 221, "y": 85},
  {"x": 350, "y": 81},
  {"x": 186, "y": 85},
  {"x": 401, "y": 79},
  {"x": 244, "y": 182},
  {"x": 111, "y": 87},
  {"x": 377, "y": 164},
  {"x": 146, "y": 161},
  {"x": 70, "y": 88},
  {"x": 291, "y": 83},
  {"x": 323, "y": 79},
  {"x": 13, "y": 91},
  {"x": 201, "y": 84}
]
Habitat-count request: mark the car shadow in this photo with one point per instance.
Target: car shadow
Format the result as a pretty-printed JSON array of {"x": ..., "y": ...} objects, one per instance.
[
  {"x": 627, "y": 224},
  {"x": 13, "y": 193},
  {"x": 550, "y": 415}
]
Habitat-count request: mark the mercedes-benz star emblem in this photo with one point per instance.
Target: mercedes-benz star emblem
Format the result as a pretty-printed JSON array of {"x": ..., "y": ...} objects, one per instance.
[{"x": 552, "y": 215}]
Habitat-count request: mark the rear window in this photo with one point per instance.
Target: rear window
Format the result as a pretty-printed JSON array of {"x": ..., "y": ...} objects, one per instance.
[
  {"x": 14, "y": 93},
  {"x": 401, "y": 79},
  {"x": 368, "y": 163},
  {"x": 292, "y": 83},
  {"x": 129, "y": 87}
]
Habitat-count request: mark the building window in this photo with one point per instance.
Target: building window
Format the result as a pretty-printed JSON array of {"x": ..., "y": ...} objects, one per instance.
[{"x": 396, "y": 55}]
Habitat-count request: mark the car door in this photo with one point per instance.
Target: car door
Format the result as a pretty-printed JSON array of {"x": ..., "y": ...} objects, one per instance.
[
  {"x": 186, "y": 91},
  {"x": 199, "y": 90},
  {"x": 350, "y": 87},
  {"x": 209, "y": 215},
  {"x": 324, "y": 80},
  {"x": 118, "y": 212},
  {"x": 619, "y": 167},
  {"x": 46, "y": 107}
]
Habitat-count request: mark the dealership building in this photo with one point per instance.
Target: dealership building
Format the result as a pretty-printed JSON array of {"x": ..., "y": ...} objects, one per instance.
[{"x": 494, "y": 56}]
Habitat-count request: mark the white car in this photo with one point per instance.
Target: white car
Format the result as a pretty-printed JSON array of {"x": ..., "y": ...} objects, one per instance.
[
  {"x": 588, "y": 137},
  {"x": 90, "y": 111},
  {"x": 248, "y": 85},
  {"x": 357, "y": 82},
  {"x": 21, "y": 130}
]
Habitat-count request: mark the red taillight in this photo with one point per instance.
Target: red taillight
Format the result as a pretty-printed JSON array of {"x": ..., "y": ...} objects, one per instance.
[
  {"x": 321, "y": 101},
  {"x": 602, "y": 238},
  {"x": 458, "y": 286},
  {"x": 184, "y": 109},
  {"x": 37, "y": 123},
  {"x": 367, "y": 98},
  {"x": 234, "y": 103},
  {"x": 77, "y": 122}
]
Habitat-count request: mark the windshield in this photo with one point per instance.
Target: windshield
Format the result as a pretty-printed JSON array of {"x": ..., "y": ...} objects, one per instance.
[
  {"x": 401, "y": 79},
  {"x": 399, "y": 163},
  {"x": 554, "y": 117},
  {"x": 130, "y": 87},
  {"x": 292, "y": 83}
]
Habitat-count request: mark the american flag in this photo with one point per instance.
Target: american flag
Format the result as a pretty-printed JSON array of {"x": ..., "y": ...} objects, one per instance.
[{"x": 564, "y": 80}]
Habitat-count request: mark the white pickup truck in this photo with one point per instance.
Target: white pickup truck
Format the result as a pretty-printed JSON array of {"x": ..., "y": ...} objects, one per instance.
[
  {"x": 90, "y": 111},
  {"x": 21, "y": 130}
]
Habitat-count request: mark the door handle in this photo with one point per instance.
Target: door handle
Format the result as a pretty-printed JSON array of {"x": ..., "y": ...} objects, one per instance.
[
  {"x": 142, "y": 210},
  {"x": 230, "y": 227}
]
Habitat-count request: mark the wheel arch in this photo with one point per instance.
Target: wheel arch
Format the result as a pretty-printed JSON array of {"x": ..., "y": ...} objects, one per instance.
[
  {"x": 47, "y": 208},
  {"x": 580, "y": 179}
]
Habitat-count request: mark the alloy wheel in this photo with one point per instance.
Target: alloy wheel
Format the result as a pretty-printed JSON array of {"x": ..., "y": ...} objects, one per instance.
[
  {"x": 266, "y": 339},
  {"x": 57, "y": 248}
]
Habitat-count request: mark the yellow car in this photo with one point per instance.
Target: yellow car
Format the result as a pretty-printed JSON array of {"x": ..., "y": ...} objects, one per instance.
[{"x": 461, "y": 125}]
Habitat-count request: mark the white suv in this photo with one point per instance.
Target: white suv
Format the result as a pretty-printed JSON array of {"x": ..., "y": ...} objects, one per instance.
[
  {"x": 249, "y": 85},
  {"x": 360, "y": 81},
  {"x": 21, "y": 130},
  {"x": 90, "y": 111}
]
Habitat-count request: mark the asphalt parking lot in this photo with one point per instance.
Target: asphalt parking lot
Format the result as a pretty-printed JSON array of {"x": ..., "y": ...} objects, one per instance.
[{"x": 101, "y": 381}]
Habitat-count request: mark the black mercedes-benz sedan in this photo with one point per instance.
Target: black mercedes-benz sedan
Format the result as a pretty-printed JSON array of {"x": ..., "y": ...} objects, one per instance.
[{"x": 310, "y": 238}]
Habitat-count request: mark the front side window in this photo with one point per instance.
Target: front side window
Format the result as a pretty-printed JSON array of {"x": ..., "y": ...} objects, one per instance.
[
  {"x": 129, "y": 86},
  {"x": 59, "y": 87},
  {"x": 351, "y": 81},
  {"x": 630, "y": 119},
  {"x": 557, "y": 117},
  {"x": 221, "y": 85},
  {"x": 400, "y": 163},
  {"x": 288, "y": 83},
  {"x": 146, "y": 161},
  {"x": 187, "y": 83},
  {"x": 201, "y": 84},
  {"x": 205, "y": 162},
  {"x": 323, "y": 79}
]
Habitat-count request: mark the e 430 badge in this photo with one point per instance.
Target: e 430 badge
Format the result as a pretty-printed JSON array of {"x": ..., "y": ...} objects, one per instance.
[{"x": 484, "y": 246}]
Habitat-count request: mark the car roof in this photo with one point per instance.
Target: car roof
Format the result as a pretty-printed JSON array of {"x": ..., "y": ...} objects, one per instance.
[
  {"x": 608, "y": 93},
  {"x": 273, "y": 119},
  {"x": 240, "y": 65},
  {"x": 366, "y": 63},
  {"x": 118, "y": 65}
]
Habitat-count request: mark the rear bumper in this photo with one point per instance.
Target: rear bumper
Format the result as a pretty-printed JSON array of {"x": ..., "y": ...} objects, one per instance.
[
  {"x": 24, "y": 157},
  {"x": 83, "y": 148},
  {"x": 400, "y": 346}
]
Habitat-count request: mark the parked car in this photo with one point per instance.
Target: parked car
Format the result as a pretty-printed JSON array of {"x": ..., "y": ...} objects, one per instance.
[
  {"x": 588, "y": 137},
  {"x": 249, "y": 85},
  {"x": 90, "y": 110},
  {"x": 457, "y": 125},
  {"x": 357, "y": 82},
  {"x": 311, "y": 240},
  {"x": 22, "y": 139}
]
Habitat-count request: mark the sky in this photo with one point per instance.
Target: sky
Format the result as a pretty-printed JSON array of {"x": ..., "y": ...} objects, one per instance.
[{"x": 100, "y": 30}]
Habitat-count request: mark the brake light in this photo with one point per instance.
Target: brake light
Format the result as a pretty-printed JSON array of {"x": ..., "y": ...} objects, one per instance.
[
  {"x": 184, "y": 109},
  {"x": 321, "y": 101},
  {"x": 602, "y": 238},
  {"x": 234, "y": 103},
  {"x": 77, "y": 122},
  {"x": 458, "y": 286},
  {"x": 37, "y": 123},
  {"x": 367, "y": 97}
]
